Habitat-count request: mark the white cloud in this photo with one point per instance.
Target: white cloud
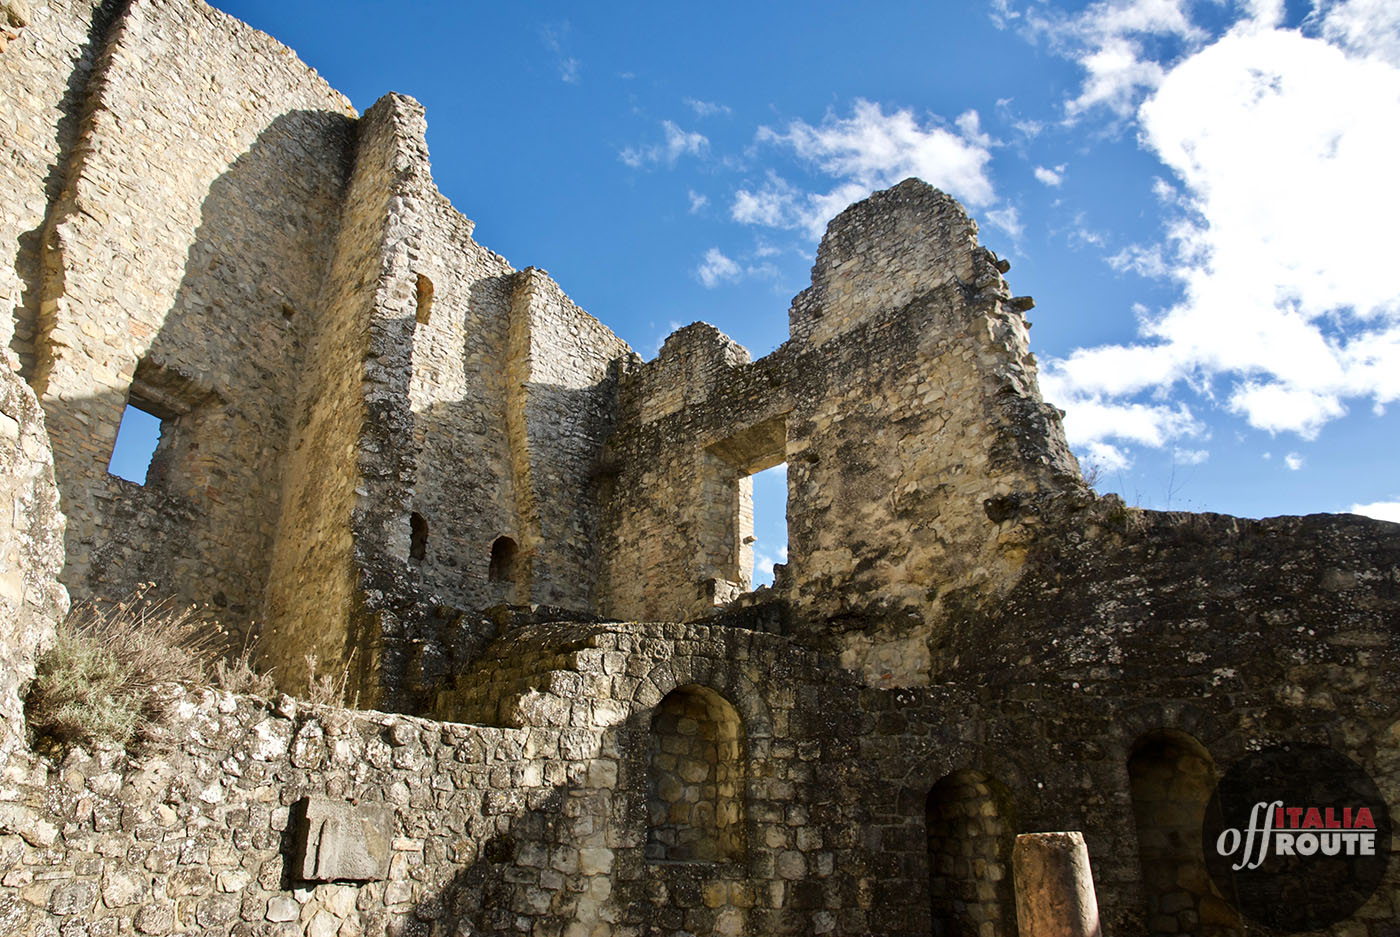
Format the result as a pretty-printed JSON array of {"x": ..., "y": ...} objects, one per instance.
[
  {"x": 553, "y": 37},
  {"x": 697, "y": 201},
  {"x": 717, "y": 268},
  {"x": 1007, "y": 219},
  {"x": 1278, "y": 236},
  {"x": 1363, "y": 27},
  {"x": 1294, "y": 461},
  {"x": 1190, "y": 456},
  {"x": 677, "y": 143},
  {"x": 1050, "y": 177},
  {"x": 969, "y": 124},
  {"x": 775, "y": 205},
  {"x": 1380, "y": 510},
  {"x": 1146, "y": 261},
  {"x": 1106, "y": 457},
  {"x": 708, "y": 108},
  {"x": 1110, "y": 40},
  {"x": 866, "y": 151}
]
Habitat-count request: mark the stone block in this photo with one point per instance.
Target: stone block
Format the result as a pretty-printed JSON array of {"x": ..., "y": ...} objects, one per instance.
[{"x": 338, "y": 841}]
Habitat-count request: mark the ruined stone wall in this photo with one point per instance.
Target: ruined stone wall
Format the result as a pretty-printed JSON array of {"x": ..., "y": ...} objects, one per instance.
[
  {"x": 475, "y": 401},
  {"x": 344, "y": 501},
  {"x": 694, "y": 423},
  {"x": 179, "y": 272},
  {"x": 920, "y": 455},
  {"x": 44, "y": 69},
  {"x": 863, "y": 810},
  {"x": 560, "y": 405},
  {"x": 31, "y": 550},
  {"x": 463, "y": 487}
]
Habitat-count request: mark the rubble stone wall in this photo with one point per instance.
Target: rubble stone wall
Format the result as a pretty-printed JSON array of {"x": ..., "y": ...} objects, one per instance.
[
  {"x": 39, "y": 112},
  {"x": 920, "y": 454},
  {"x": 31, "y": 551},
  {"x": 179, "y": 270}
]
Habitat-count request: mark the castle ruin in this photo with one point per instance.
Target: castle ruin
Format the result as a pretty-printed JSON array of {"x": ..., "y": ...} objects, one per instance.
[{"x": 384, "y": 446}]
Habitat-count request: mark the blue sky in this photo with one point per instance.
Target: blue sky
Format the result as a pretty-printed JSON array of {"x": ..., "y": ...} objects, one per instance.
[{"x": 1200, "y": 196}]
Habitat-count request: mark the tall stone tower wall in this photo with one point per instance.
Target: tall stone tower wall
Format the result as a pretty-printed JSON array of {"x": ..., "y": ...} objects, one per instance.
[{"x": 193, "y": 189}]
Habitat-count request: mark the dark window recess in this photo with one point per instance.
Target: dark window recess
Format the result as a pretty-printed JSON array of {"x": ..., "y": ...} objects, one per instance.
[
  {"x": 503, "y": 560},
  {"x": 418, "y": 537}
]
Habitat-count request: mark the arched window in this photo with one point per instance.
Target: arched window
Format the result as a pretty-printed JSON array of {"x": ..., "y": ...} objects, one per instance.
[
  {"x": 695, "y": 779},
  {"x": 503, "y": 560},
  {"x": 970, "y": 837},
  {"x": 1172, "y": 777},
  {"x": 418, "y": 537}
]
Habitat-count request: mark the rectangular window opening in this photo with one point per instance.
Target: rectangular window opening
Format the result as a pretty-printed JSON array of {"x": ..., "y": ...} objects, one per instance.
[
  {"x": 137, "y": 438},
  {"x": 770, "y": 531}
]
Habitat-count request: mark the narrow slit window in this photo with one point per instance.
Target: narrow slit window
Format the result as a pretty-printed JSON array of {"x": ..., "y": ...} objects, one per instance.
[
  {"x": 418, "y": 537},
  {"x": 137, "y": 438},
  {"x": 425, "y": 299}
]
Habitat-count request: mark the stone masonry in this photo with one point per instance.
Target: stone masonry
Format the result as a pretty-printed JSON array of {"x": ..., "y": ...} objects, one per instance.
[{"x": 384, "y": 446}]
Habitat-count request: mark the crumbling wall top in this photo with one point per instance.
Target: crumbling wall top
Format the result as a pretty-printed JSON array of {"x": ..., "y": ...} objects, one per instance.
[{"x": 879, "y": 254}]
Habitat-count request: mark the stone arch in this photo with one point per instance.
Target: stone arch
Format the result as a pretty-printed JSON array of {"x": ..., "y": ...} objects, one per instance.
[
  {"x": 1171, "y": 776},
  {"x": 971, "y": 826},
  {"x": 737, "y": 689},
  {"x": 696, "y": 777}
]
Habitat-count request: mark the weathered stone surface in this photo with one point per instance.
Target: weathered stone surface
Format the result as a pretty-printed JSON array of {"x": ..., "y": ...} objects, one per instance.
[
  {"x": 31, "y": 550},
  {"x": 434, "y": 473},
  {"x": 1054, "y": 887},
  {"x": 338, "y": 841}
]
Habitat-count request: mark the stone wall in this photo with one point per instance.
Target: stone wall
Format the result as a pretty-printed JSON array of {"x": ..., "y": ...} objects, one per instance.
[
  {"x": 199, "y": 183},
  {"x": 920, "y": 454},
  {"x": 38, "y": 125},
  {"x": 560, "y": 406},
  {"x": 861, "y": 809},
  {"x": 31, "y": 550}
]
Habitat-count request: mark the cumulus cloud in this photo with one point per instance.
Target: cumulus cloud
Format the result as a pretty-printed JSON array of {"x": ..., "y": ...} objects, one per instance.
[
  {"x": 716, "y": 268},
  {"x": 1294, "y": 461},
  {"x": 868, "y": 150},
  {"x": 697, "y": 200},
  {"x": 1050, "y": 177},
  {"x": 1112, "y": 41},
  {"x": 1364, "y": 27},
  {"x": 1277, "y": 237},
  {"x": 675, "y": 144},
  {"x": 1380, "y": 510}
]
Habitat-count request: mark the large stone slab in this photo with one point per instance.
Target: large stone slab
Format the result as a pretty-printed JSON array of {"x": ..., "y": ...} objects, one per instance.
[{"x": 343, "y": 842}]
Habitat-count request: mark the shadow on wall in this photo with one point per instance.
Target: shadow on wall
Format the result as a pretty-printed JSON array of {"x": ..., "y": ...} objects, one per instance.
[
  {"x": 221, "y": 367},
  {"x": 29, "y": 247}
]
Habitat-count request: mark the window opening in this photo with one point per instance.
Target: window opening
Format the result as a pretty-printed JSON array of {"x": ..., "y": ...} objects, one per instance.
[
  {"x": 769, "y": 524},
  {"x": 418, "y": 537},
  {"x": 503, "y": 560},
  {"x": 425, "y": 299},
  {"x": 135, "y": 446}
]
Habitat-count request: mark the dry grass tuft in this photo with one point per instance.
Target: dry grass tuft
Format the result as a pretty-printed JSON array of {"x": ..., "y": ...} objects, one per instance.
[{"x": 98, "y": 680}]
